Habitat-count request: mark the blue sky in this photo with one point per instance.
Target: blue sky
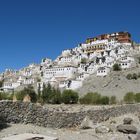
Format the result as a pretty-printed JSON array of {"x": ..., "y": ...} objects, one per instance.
[{"x": 33, "y": 29}]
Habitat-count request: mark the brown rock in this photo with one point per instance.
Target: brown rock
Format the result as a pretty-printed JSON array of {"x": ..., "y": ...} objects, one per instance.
[{"x": 27, "y": 98}]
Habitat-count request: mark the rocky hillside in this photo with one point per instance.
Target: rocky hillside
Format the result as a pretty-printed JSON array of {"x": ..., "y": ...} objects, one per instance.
[{"x": 115, "y": 83}]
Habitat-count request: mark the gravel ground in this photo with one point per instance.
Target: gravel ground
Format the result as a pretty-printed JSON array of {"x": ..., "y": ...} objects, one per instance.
[{"x": 73, "y": 133}]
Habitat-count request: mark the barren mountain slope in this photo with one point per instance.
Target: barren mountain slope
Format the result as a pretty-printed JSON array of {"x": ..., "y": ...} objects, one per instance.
[{"x": 113, "y": 84}]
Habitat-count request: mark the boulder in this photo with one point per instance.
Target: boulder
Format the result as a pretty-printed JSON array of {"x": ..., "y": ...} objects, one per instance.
[
  {"x": 86, "y": 123},
  {"x": 27, "y": 98},
  {"x": 127, "y": 129},
  {"x": 127, "y": 121},
  {"x": 102, "y": 129}
]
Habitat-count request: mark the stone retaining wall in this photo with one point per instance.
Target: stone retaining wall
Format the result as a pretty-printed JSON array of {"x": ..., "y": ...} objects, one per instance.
[{"x": 19, "y": 112}]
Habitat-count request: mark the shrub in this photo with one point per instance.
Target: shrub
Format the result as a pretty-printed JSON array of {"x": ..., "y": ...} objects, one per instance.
[
  {"x": 129, "y": 76},
  {"x": 83, "y": 60},
  {"x": 138, "y": 60},
  {"x": 87, "y": 99},
  {"x": 55, "y": 97},
  {"x": 0, "y": 96},
  {"x": 20, "y": 95},
  {"x": 135, "y": 76},
  {"x": 104, "y": 100},
  {"x": 116, "y": 67},
  {"x": 70, "y": 97},
  {"x": 113, "y": 100},
  {"x": 103, "y": 59},
  {"x": 90, "y": 98},
  {"x": 6, "y": 96},
  {"x": 97, "y": 60},
  {"x": 137, "y": 97},
  {"x": 139, "y": 75},
  {"x": 27, "y": 91},
  {"x": 129, "y": 97},
  {"x": 1, "y": 83}
]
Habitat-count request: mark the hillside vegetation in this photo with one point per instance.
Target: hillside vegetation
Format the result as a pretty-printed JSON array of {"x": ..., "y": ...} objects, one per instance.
[{"x": 116, "y": 83}]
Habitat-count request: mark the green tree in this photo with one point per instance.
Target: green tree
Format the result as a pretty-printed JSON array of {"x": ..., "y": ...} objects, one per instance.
[
  {"x": 116, "y": 67},
  {"x": 137, "y": 97},
  {"x": 55, "y": 97},
  {"x": 97, "y": 60},
  {"x": 113, "y": 100},
  {"x": 138, "y": 60},
  {"x": 0, "y": 96},
  {"x": 4, "y": 96},
  {"x": 103, "y": 59},
  {"x": 47, "y": 91},
  {"x": 39, "y": 93},
  {"x": 87, "y": 99},
  {"x": 1, "y": 84},
  {"x": 139, "y": 75},
  {"x": 83, "y": 60},
  {"x": 27, "y": 91},
  {"x": 135, "y": 76},
  {"x": 90, "y": 98},
  {"x": 20, "y": 95},
  {"x": 129, "y": 97},
  {"x": 104, "y": 100},
  {"x": 129, "y": 76},
  {"x": 42, "y": 74},
  {"x": 70, "y": 97}
]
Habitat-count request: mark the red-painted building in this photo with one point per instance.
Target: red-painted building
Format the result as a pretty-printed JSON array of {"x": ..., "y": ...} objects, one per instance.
[{"x": 122, "y": 37}]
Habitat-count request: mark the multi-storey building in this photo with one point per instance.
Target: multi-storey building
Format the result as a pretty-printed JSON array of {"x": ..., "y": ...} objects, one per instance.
[
  {"x": 96, "y": 56},
  {"x": 67, "y": 72},
  {"x": 122, "y": 37}
]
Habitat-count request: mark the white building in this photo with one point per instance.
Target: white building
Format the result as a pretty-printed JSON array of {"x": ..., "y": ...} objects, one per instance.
[
  {"x": 92, "y": 68},
  {"x": 126, "y": 62},
  {"x": 67, "y": 72},
  {"x": 67, "y": 60},
  {"x": 82, "y": 76},
  {"x": 10, "y": 86},
  {"x": 28, "y": 81},
  {"x": 103, "y": 71},
  {"x": 46, "y": 62}
]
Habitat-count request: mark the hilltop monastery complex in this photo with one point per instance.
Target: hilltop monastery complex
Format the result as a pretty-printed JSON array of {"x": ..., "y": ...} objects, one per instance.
[{"x": 68, "y": 71}]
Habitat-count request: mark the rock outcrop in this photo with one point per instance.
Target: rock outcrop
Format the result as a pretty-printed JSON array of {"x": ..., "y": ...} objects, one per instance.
[
  {"x": 127, "y": 120},
  {"x": 102, "y": 129},
  {"x": 86, "y": 123},
  {"x": 127, "y": 129}
]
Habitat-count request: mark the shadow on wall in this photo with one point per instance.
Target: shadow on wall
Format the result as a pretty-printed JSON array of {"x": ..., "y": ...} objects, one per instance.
[{"x": 3, "y": 123}]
